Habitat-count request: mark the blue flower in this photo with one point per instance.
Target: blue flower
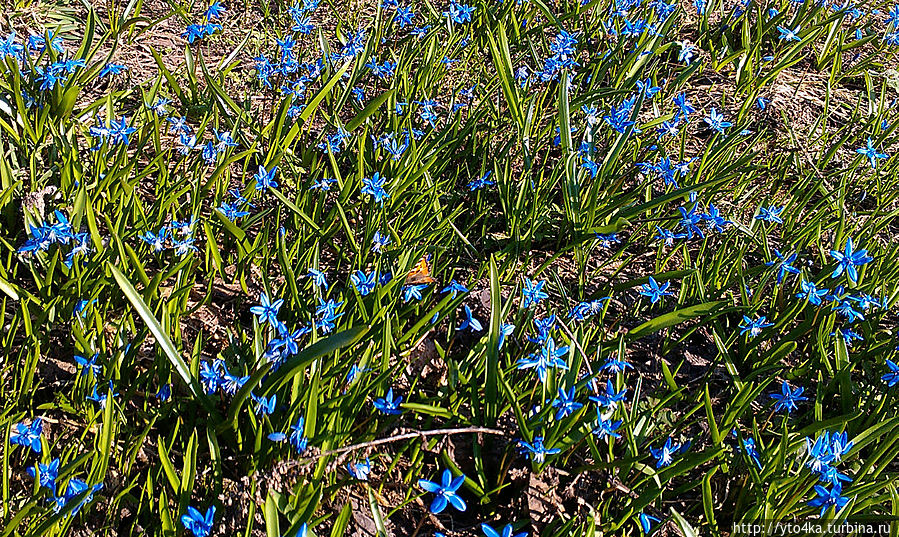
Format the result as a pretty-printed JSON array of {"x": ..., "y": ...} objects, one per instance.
[
  {"x": 848, "y": 259},
  {"x": 614, "y": 365},
  {"x": 892, "y": 377},
  {"x": 548, "y": 356},
  {"x": 583, "y": 310},
  {"x": 267, "y": 311},
  {"x": 812, "y": 293},
  {"x": 565, "y": 403},
  {"x": 46, "y": 473},
  {"x": 197, "y": 523},
  {"x": 751, "y": 451},
  {"x": 654, "y": 291},
  {"x": 359, "y": 470},
  {"x": 787, "y": 398},
  {"x": 88, "y": 366},
  {"x": 770, "y": 214},
  {"x": 506, "y": 532},
  {"x": 388, "y": 405},
  {"x": 112, "y": 69},
  {"x": 536, "y": 451},
  {"x": 784, "y": 265},
  {"x": 318, "y": 278},
  {"x": 445, "y": 491},
  {"x": 297, "y": 435},
  {"x": 789, "y": 35},
  {"x": 412, "y": 292},
  {"x": 481, "y": 182},
  {"x": 870, "y": 153},
  {"x": 454, "y": 288},
  {"x": 265, "y": 178},
  {"x": 610, "y": 398},
  {"x": 265, "y": 407},
  {"x": 459, "y": 13},
  {"x": 504, "y": 331},
  {"x": 716, "y": 122},
  {"x": 646, "y": 522},
  {"x": 375, "y": 187},
  {"x": 754, "y": 326},
  {"x": 665, "y": 455},
  {"x": 379, "y": 241},
  {"x": 364, "y": 283},
  {"x": 606, "y": 428},
  {"x": 28, "y": 435},
  {"x": 532, "y": 293},
  {"x": 470, "y": 322},
  {"x": 827, "y": 498}
]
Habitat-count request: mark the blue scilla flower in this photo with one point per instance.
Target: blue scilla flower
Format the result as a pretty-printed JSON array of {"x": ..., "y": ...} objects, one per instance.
[
  {"x": 454, "y": 288},
  {"x": 605, "y": 428},
  {"x": 506, "y": 531},
  {"x": 446, "y": 492},
  {"x": 297, "y": 436},
  {"x": 413, "y": 292},
  {"x": 784, "y": 265},
  {"x": 610, "y": 397},
  {"x": 536, "y": 451},
  {"x": 892, "y": 376},
  {"x": 787, "y": 398},
  {"x": 871, "y": 153},
  {"x": 199, "y": 524},
  {"x": 267, "y": 310},
  {"x": 505, "y": 331},
  {"x": 615, "y": 365},
  {"x": 787, "y": 34},
  {"x": 265, "y": 178},
  {"x": 88, "y": 366},
  {"x": 565, "y": 403},
  {"x": 364, "y": 283},
  {"x": 811, "y": 292},
  {"x": 751, "y": 451},
  {"x": 532, "y": 293},
  {"x": 770, "y": 214},
  {"x": 403, "y": 16},
  {"x": 754, "y": 327},
  {"x": 459, "y": 13},
  {"x": 46, "y": 474},
  {"x": 230, "y": 211},
  {"x": 360, "y": 469},
  {"x": 375, "y": 187},
  {"x": 689, "y": 221},
  {"x": 470, "y": 322},
  {"x": 265, "y": 406},
  {"x": 379, "y": 241},
  {"x": 716, "y": 122},
  {"x": 646, "y": 523},
  {"x": 547, "y": 357},
  {"x": 481, "y": 182},
  {"x": 829, "y": 497},
  {"x": 212, "y": 376},
  {"x": 28, "y": 435},
  {"x": 848, "y": 259},
  {"x": 584, "y": 310},
  {"x": 654, "y": 291},
  {"x": 318, "y": 278},
  {"x": 75, "y": 488},
  {"x": 665, "y": 455},
  {"x": 388, "y": 404}
]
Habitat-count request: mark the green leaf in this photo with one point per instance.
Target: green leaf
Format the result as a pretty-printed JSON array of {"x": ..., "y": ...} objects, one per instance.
[
  {"x": 162, "y": 339},
  {"x": 673, "y": 318}
]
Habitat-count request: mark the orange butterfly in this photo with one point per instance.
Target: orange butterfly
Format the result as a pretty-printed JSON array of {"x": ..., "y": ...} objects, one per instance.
[{"x": 421, "y": 274}]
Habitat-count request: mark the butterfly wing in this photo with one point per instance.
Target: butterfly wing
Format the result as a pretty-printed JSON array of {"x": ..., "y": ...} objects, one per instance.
[{"x": 421, "y": 274}]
